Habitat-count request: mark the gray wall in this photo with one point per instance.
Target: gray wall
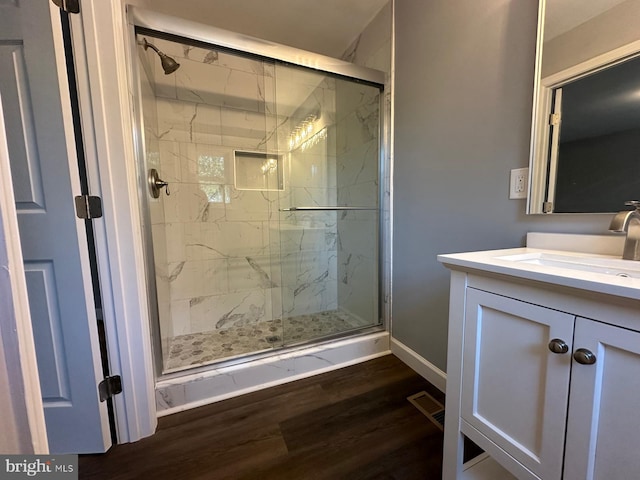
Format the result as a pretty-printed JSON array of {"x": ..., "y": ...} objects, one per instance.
[{"x": 463, "y": 94}]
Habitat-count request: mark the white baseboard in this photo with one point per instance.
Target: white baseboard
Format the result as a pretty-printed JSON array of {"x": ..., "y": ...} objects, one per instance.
[{"x": 428, "y": 370}]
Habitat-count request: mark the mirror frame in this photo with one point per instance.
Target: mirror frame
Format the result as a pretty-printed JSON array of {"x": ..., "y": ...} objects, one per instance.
[{"x": 539, "y": 162}]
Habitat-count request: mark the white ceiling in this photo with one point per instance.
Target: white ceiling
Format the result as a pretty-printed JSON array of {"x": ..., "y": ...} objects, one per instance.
[
  {"x": 564, "y": 15},
  {"x": 321, "y": 26}
]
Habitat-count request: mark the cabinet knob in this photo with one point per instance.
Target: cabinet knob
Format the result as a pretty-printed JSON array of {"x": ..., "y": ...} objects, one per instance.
[
  {"x": 584, "y": 356},
  {"x": 558, "y": 346}
]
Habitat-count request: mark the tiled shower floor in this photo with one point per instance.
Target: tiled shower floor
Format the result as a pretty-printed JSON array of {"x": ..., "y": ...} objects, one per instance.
[{"x": 195, "y": 349}]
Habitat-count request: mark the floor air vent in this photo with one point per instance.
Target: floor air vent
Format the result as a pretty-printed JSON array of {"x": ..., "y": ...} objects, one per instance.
[{"x": 429, "y": 407}]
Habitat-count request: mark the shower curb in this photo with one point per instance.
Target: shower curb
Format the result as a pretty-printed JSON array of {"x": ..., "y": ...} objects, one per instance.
[{"x": 196, "y": 389}]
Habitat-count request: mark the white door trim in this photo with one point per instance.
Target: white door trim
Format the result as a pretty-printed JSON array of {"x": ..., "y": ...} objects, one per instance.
[
  {"x": 83, "y": 253},
  {"x": 17, "y": 325},
  {"x": 100, "y": 46}
]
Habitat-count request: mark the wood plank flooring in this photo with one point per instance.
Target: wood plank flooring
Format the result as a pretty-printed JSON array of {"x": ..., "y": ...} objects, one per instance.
[{"x": 353, "y": 423}]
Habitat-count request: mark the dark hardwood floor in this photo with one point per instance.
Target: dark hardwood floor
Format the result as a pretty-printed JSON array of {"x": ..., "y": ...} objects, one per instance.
[{"x": 353, "y": 423}]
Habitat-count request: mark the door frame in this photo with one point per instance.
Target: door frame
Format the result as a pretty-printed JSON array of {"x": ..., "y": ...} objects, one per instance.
[{"x": 106, "y": 122}]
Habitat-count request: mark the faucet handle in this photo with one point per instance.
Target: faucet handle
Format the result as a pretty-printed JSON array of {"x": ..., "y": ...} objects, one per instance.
[{"x": 633, "y": 203}]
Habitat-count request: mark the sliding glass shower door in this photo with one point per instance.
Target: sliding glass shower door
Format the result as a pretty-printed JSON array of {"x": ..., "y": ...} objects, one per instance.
[
  {"x": 267, "y": 234},
  {"x": 210, "y": 134},
  {"x": 329, "y": 215}
]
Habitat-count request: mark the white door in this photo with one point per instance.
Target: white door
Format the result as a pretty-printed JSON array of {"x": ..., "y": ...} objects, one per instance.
[
  {"x": 603, "y": 422},
  {"x": 514, "y": 389},
  {"x": 45, "y": 180}
]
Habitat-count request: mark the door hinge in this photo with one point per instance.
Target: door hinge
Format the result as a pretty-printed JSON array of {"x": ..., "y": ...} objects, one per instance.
[
  {"x": 109, "y": 387},
  {"x": 554, "y": 119},
  {"x": 547, "y": 207},
  {"x": 69, "y": 6},
  {"x": 88, "y": 207}
]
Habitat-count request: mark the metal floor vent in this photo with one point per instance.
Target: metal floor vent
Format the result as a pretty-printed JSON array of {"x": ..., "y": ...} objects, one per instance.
[{"x": 429, "y": 407}]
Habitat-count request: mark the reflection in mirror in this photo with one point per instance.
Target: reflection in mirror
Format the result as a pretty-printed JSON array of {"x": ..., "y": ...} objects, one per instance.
[
  {"x": 597, "y": 156},
  {"x": 586, "y": 128}
]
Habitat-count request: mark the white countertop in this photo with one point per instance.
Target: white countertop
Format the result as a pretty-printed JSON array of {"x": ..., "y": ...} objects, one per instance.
[{"x": 608, "y": 283}]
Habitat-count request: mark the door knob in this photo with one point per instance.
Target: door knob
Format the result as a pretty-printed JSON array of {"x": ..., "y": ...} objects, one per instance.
[
  {"x": 584, "y": 356},
  {"x": 155, "y": 183},
  {"x": 558, "y": 346}
]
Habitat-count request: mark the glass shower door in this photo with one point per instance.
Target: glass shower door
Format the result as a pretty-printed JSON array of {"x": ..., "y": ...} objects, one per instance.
[
  {"x": 270, "y": 234},
  {"x": 210, "y": 132},
  {"x": 329, "y": 213}
]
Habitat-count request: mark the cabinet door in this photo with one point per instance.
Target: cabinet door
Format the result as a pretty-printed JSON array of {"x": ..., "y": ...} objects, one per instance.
[
  {"x": 603, "y": 426},
  {"x": 514, "y": 389}
]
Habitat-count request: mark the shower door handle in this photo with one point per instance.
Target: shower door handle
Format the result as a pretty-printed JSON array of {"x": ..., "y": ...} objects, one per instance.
[
  {"x": 155, "y": 184},
  {"x": 323, "y": 209}
]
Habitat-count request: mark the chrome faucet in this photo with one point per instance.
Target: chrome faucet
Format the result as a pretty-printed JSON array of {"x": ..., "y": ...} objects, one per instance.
[{"x": 629, "y": 222}]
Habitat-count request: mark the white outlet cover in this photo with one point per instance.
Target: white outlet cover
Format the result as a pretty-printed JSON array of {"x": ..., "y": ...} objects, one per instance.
[{"x": 519, "y": 183}]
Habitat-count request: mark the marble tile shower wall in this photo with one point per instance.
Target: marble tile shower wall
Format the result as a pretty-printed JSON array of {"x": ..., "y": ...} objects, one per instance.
[
  {"x": 309, "y": 276},
  {"x": 357, "y": 254},
  {"x": 357, "y": 165},
  {"x": 224, "y": 256},
  {"x": 372, "y": 47}
]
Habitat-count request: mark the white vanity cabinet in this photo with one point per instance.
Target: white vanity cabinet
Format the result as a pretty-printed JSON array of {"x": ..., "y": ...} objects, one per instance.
[
  {"x": 514, "y": 390},
  {"x": 603, "y": 422},
  {"x": 520, "y": 382}
]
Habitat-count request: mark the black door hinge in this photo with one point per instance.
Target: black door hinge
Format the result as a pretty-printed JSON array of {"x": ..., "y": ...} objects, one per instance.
[
  {"x": 88, "y": 207},
  {"x": 109, "y": 387},
  {"x": 69, "y": 6}
]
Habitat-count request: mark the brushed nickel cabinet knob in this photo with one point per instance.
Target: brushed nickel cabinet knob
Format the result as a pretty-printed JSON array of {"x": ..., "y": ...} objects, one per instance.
[
  {"x": 558, "y": 345},
  {"x": 584, "y": 356}
]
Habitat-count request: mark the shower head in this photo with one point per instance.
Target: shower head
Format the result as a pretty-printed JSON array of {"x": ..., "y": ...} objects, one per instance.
[{"x": 169, "y": 65}]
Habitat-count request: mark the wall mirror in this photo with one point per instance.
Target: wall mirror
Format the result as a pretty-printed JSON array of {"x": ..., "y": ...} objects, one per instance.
[{"x": 585, "y": 150}]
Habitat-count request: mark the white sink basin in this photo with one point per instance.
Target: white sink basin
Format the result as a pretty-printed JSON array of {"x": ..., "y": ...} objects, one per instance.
[{"x": 587, "y": 263}]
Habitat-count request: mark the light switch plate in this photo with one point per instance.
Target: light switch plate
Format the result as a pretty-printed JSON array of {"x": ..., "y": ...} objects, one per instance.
[{"x": 519, "y": 183}]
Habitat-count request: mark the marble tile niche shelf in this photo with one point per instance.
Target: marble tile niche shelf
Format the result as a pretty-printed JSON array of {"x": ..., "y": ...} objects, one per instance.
[{"x": 258, "y": 171}]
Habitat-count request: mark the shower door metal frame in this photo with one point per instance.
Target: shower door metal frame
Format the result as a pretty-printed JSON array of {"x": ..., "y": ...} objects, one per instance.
[
  {"x": 143, "y": 201},
  {"x": 140, "y": 17},
  {"x": 166, "y": 24}
]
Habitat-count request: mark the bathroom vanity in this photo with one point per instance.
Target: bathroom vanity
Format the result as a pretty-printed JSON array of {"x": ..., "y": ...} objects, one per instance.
[{"x": 543, "y": 367}]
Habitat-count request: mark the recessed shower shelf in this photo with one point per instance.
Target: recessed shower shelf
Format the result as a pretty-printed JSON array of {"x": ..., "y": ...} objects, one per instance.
[{"x": 258, "y": 171}]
